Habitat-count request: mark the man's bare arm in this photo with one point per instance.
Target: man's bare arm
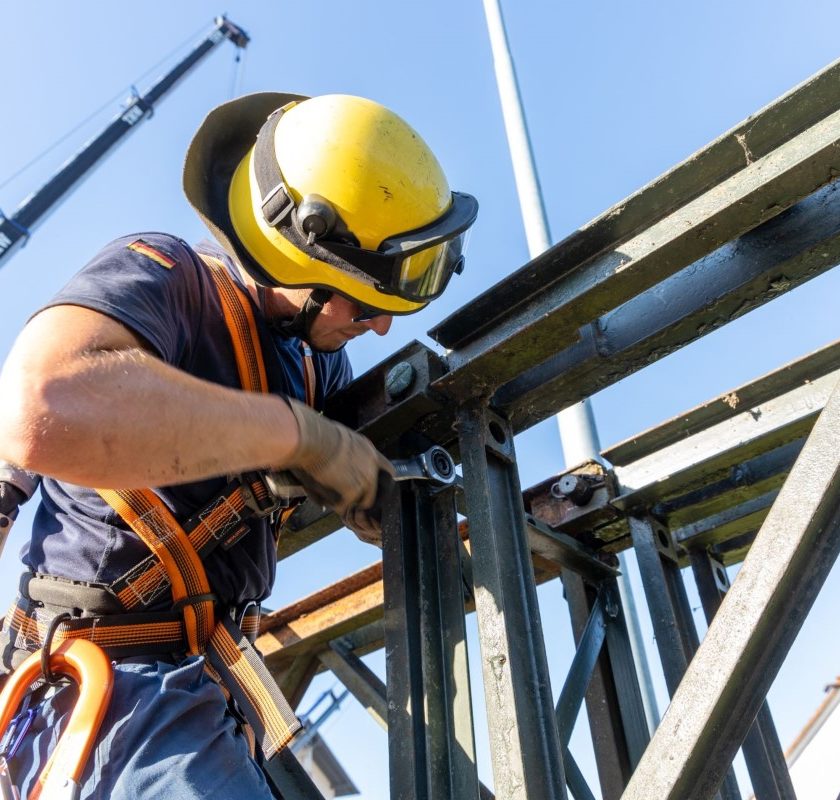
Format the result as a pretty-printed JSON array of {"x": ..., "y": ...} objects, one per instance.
[{"x": 83, "y": 400}]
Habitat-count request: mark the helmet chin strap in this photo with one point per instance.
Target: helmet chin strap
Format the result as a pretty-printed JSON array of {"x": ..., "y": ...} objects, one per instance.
[{"x": 301, "y": 324}]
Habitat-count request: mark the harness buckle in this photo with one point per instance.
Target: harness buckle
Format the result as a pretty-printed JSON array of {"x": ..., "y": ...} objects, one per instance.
[{"x": 282, "y": 490}]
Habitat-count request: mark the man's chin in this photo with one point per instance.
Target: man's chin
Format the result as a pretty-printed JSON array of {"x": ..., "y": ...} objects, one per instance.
[{"x": 330, "y": 344}]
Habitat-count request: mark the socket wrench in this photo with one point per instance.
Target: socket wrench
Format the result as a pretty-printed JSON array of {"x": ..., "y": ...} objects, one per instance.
[{"x": 435, "y": 466}]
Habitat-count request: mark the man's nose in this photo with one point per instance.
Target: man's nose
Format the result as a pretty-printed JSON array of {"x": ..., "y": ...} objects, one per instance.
[{"x": 380, "y": 324}]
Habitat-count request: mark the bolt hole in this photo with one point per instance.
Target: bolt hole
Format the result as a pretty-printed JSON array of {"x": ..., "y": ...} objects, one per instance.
[
  {"x": 663, "y": 538},
  {"x": 497, "y": 432}
]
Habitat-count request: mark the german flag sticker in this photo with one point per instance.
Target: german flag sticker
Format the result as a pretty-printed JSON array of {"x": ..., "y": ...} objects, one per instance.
[{"x": 147, "y": 250}]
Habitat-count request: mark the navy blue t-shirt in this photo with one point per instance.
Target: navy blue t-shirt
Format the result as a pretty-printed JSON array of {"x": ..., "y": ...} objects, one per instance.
[{"x": 156, "y": 285}]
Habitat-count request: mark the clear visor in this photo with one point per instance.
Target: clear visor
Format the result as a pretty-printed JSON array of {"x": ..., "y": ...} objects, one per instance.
[{"x": 424, "y": 275}]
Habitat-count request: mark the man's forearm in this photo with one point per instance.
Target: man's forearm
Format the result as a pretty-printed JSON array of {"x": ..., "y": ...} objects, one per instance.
[{"x": 125, "y": 419}]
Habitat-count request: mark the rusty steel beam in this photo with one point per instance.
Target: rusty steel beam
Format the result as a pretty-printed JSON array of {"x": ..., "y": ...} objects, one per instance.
[{"x": 321, "y": 617}]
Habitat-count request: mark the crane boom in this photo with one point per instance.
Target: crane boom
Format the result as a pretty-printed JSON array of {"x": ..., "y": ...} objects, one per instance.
[{"x": 16, "y": 229}]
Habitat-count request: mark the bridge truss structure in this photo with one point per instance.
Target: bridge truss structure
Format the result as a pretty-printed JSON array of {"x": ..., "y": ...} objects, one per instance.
[{"x": 751, "y": 476}]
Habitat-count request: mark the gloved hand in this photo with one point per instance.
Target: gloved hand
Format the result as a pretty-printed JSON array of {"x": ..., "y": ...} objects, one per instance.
[{"x": 339, "y": 468}]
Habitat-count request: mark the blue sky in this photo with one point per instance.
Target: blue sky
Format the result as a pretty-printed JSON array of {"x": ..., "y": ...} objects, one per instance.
[{"x": 615, "y": 94}]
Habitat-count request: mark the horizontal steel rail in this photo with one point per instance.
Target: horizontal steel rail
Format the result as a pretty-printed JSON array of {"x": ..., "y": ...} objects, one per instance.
[{"x": 748, "y": 142}]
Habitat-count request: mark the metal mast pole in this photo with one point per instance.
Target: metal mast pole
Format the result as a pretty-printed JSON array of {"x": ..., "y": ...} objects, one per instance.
[{"x": 578, "y": 434}]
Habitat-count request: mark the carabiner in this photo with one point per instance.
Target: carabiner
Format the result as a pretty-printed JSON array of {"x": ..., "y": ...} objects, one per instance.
[{"x": 88, "y": 666}]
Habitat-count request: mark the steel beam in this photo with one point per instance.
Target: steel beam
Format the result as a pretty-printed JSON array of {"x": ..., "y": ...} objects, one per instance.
[
  {"x": 430, "y": 728},
  {"x": 326, "y": 615},
  {"x": 775, "y": 257},
  {"x": 728, "y": 679},
  {"x": 289, "y": 778},
  {"x": 613, "y": 698},
  {"x": 745, "y": 144},
  {"x": 524, "y": 744},
  {"x": 731, "y": 405},
  {"x": 580, "y": 671},
  {"x": 359, "y": 679},
  {"x": 762, "y": 750},
  {"x": 712, "y": 451},
  {"x": 294, "y": 680},
  {"x": 572, "y": 293},
  {"x": 670, "y": 612},
  {"x": 744, "y": 481},
  {"x": 737, "y": 520}
]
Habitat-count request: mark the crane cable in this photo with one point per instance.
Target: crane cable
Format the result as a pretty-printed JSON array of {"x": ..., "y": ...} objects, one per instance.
[
  {"x": 238, "y": 72},
  {"x": 105, "y": 105}
]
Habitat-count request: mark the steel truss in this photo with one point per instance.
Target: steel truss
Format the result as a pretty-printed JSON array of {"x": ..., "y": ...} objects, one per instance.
[{"x": 751, "y": 475}]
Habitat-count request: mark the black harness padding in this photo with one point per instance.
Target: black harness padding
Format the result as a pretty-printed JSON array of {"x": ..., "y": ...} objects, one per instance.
[{"x": 301, "y": 324}]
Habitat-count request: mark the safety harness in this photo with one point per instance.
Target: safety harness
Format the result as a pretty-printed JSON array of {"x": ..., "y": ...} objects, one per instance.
[{"x": 117, "y": 617}]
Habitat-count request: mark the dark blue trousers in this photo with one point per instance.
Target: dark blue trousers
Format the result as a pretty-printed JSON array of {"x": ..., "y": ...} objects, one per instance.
[{"x": 167, "y": 734}]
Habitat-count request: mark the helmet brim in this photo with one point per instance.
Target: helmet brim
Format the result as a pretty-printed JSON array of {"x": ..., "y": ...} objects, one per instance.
[{"x": 223, "y": 139}]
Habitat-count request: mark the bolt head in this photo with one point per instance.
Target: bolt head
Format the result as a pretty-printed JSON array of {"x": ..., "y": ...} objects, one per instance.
[{"x": 399, "y": 379}]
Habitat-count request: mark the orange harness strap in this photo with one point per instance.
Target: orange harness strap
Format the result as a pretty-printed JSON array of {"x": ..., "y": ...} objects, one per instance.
[
  {"x": 228, "y": 650},
  {"x": 308, "y": 374},
  {"x": 243, "y": 329},
  {"x": 145, "y": 513}
]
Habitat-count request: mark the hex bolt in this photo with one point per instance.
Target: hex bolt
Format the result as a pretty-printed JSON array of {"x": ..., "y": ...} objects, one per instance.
[
  {"x": 399, "y": 380},
  {"x": 575, "y": 487}
]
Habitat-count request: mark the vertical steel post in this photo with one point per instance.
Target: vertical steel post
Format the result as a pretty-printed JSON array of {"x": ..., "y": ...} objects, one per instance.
[
  {"x": 578, "y": 432},
  {"x": 524, "y": 743},
  {"x": 762, "y": 750},
  {"x": 613, "y": 698},
  {"x": 430, "y": 729},
  {"x": 673, "y": 625}
]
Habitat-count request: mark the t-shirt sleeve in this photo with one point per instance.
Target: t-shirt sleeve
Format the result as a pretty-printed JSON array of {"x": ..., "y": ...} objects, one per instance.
[{"x": 148, "y": 282}]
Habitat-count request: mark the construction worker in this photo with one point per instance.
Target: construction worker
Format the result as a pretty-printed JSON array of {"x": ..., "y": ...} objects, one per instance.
[{"x": 198, "y": 371}]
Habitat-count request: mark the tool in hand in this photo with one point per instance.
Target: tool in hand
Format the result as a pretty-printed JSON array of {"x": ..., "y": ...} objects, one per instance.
[{"x": 435, "y": 466}]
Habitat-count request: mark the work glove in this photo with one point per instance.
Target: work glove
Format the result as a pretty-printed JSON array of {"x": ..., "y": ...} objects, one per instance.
[{"x": 341, "y": 469}]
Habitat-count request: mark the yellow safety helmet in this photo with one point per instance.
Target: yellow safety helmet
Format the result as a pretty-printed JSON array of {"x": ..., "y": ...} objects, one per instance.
[{"x": 333, "y": 192}]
